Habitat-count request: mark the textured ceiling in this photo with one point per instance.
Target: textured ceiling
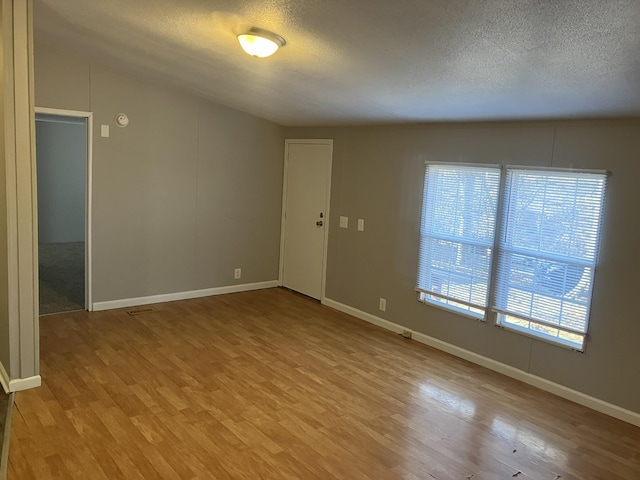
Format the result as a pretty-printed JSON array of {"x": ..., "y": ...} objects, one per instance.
[{"x": 373, "y": 61}]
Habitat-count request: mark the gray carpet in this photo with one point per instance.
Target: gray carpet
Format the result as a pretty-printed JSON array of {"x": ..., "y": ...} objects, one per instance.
[
  {"x": 6, "y": 412},
  {"x": 4, "y": 405},
  {"x": 61, "y": 268}
]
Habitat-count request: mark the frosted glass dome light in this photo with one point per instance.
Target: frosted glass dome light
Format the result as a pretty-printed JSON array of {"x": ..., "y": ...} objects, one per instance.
[{"x": 260, "y": 43}]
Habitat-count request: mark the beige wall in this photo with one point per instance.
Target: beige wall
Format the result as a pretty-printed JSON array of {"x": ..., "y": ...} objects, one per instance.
[
  {"x": 183, "y": 195},
  {"x": 378, "y": 174}
]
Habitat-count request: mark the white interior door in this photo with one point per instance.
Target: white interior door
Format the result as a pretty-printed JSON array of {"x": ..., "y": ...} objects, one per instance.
[{"x": 305, "y": 215}]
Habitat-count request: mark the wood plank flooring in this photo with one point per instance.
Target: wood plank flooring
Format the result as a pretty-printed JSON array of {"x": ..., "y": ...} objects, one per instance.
[{"x": 272, "y": 385}]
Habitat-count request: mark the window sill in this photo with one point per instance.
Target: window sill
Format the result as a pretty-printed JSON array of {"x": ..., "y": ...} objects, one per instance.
[
  {"x": 453, "y": 310},
  {"x": 543, "y": 338}
]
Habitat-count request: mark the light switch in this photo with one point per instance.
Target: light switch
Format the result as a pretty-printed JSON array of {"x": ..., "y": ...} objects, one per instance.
[
  {"x": 344, "y": 222},
  {"x": 104, "y": 130},
  {"x": 361, "y": 224}
]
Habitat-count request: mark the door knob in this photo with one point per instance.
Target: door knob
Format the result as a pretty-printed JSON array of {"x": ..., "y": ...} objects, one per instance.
[{"x": 319, "y": 223}]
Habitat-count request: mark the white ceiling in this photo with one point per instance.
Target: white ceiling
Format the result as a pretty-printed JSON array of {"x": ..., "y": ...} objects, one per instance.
[{"x": 373, "y": 61}]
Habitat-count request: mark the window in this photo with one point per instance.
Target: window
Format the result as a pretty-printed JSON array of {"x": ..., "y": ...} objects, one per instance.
[
  {"x": 546, "y": 246},
  {"x": 547, "y": 253},
  {"x": 457, "y": 235}
]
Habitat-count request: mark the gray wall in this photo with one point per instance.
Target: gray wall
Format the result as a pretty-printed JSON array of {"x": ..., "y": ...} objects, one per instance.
[
  {"x": 61, "y": 158},
  {"x": 378, "y": 174},
  {"x": 192, "y": 189},
  {"x": 183, "y": 195}
]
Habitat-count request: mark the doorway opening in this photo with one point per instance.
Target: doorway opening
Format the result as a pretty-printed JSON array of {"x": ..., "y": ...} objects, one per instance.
[{"x": 63, "y": 161}]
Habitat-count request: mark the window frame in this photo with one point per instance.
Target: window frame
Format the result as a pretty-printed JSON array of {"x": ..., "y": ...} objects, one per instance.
[
  {"x": 491, "y": 312},
  {"x": 424, "y": 294}
]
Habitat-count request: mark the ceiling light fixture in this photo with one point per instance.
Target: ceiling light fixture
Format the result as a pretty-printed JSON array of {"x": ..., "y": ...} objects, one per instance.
[{"x": 260, "y": 43}]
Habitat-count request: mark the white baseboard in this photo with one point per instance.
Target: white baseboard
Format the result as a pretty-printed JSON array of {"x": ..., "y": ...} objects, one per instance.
[
  {"x": 528, "y": 378},
  {"x": 170, "y": 297},
  {"x": 354, "y": 312},
  {"x": 18, "y": 384}
]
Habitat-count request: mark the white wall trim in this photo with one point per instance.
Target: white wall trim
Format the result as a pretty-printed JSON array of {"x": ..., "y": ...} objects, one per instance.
[
  {"x": 17, "y": 384},
  {"x": 528, "y": 378},
  {"x": 25, "y": 383},
  {"x": 63, "y": 112},
  {"x": 367, "y": 317},
  {"x": 20, "y": 177},
  {"x": 170, "y": 297}
]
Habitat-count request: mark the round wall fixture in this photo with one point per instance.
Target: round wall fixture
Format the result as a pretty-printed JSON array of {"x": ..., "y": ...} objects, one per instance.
[{"x": 122, "y": 120}]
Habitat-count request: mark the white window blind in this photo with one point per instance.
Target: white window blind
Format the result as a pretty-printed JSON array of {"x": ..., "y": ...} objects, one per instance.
[
  {"x": 457, "y": 235},
  {"x": 547, "y": 252}
]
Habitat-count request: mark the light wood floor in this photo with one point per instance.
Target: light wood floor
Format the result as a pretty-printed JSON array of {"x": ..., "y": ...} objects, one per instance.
[{"x": 270, "y": 384}]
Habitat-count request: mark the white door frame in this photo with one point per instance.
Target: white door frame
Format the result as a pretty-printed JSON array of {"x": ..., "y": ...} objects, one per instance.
[
  {"x": 287, "y": 142},
  {"x": 88, "y": 200}
]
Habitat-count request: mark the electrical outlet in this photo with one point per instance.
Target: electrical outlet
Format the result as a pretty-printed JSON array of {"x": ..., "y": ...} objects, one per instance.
[
  {"x": 237, "y": 273},
  {"x": 383, "y": 304}
]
